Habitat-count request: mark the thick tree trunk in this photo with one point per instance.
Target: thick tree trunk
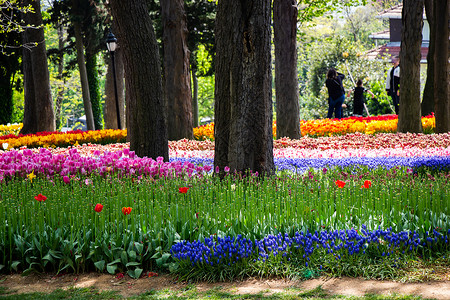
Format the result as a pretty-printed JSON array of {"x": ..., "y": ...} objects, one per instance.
[
  {"x": 94, "y": 92},
  {"x": 441, "y": 76},
  {"x": 6, "y": 103},
  {"x": 29, "y": 109},
  {"x": 428, "y": 92},
  {"x": 177, "y": 87},
  {"x": 194, "y": 99},
  {"x": 44, "y": 116},
  {"x": 83, "y": 75},
  {"x": 110, "y": 113},
  {"x": 145, "y": 104},
  {"x": 409, "y": 119},
  {"x": 243, "y": 100},
  {"x": 286, "y": 82}
]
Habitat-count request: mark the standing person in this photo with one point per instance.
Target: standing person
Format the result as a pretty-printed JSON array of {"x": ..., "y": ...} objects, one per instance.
[
  {"x": 336, "y": 93},
  {"x": 358, "y": 98},
  {"x": 393, "y": 83}
]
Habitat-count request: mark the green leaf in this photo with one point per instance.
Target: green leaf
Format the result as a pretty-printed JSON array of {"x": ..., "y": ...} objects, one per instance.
[
  {"x": 156, "y": 255},
  {"x": 48, "y": 257},
  {"x": 114, "y": 262},
  {"x": 166, "y": 256},
  {"x": 159, "y": 262},
  {"x": 133, "y": 264},
  {"x": 124, "y": 257},
  {"x": 139, "y": 247},
  {"x": 69, "y": 262},
  {"x": 100, "y": 265},
  {"x": 28, "y": 271},
  {"x": 132, "y": 255},
  {"x": 173, "y": 267},
  {"x": 138, "y": 272},
  {"x": 37, "y": 244},
  {"x": 14, "y": 265},
  {"x": 111, "y": 269}
]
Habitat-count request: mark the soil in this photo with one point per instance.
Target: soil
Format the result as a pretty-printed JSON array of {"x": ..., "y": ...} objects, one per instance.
[{"x": 126, "y": 286}]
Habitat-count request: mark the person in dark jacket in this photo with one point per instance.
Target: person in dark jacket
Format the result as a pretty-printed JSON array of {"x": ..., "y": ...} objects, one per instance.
[
  {"x": 336, "y": 93},
  {"x": 393, "y": 83},
  {"x": 358, "y": 98}
]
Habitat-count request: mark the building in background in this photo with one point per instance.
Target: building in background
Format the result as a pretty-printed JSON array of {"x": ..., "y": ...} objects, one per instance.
[{"x": 388, "y": 41}]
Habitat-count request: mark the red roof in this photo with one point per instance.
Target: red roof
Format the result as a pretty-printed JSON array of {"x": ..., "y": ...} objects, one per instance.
[{"x": 391, "y": 51}]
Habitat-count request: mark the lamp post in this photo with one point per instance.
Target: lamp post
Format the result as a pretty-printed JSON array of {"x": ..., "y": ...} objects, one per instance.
[{"x": 111, "y": 44}]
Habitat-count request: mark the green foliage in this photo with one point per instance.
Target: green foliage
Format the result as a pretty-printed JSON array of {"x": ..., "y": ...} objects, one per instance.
[
  {"x": 206, "y": 97},
  {"x": 310, "y": 9},
  {"x": 64, "y": 233},
  {"x": 94, "y": 91},
  {"x": 347, "y": 58}
]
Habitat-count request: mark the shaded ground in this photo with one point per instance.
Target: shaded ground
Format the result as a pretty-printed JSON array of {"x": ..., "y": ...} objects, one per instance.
[{"x": 126, "y": 286}]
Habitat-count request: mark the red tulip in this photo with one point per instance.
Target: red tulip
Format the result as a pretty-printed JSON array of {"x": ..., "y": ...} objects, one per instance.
[
  {"x": 40, "y": 197},
  {"x": 126, "y": 210},
  {"x": 183, "y": 190},
  {"x": 98, "y": 208},
  {"x": 366, "y": 184},
  {"x": 340, "y": 183}
]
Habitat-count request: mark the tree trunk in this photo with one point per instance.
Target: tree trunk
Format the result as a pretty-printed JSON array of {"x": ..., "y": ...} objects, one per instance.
[
  {"x": 177, "y": 87},
  {"x": 194, "y": 99},
  {"x": 29, "y": 106},
  {"x": 243, "y": 100},
  {"x": 60, "y": 77},
  {"x": 6, "y": 103},
  {"x": 286, "y": 82},
  {"x": 110, "y": 114},
  {"x": 83, "y": 75},
  {"x": 44, "y": 116},
  {"x": 145, "y": 104},
  {"x": 441, "y": 76},
  {"x": 409, "y": 119},
  {"x": 428, "y": 92},
  {"x": 94, "y": 92}
]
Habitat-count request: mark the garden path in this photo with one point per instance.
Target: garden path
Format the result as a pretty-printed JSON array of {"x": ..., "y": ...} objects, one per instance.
[{"x": 126, "y": 286}]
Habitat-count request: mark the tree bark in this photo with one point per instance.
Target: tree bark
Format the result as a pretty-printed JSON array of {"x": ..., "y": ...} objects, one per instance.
[
  {"x": 243, "y": 100},
  {"x": 177, "y": 87},
  {"x": 145, "y": 104},
  {"x": 41, "y": 116},
  {"x": 110, "y": 114},
  {"x": 441, "y": 76},
  {"x": 409, "y": 119},
  {"x": 286, "y": 82},
  {"x": 29, "y": 106},
  {"x": 428, "y": 92},
  {"x": 83, "y": 75}
]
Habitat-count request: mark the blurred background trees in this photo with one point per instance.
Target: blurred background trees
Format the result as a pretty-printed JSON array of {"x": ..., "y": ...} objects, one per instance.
[{"x": 330, "y": 34}]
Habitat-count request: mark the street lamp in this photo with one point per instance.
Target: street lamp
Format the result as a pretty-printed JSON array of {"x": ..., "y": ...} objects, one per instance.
[{"x": 111, "y": 44}]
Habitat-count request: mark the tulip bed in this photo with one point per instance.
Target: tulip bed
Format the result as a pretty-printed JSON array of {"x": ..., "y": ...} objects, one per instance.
[
  {"x": 331, "y": 127},
  {"x": 354, "y": 204}
]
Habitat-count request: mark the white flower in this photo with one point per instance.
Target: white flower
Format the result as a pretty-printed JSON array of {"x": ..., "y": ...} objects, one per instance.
[{"x": 5, "y": 146}]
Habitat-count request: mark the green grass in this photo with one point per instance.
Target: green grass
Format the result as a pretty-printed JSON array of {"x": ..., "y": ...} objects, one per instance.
[{"x": 191, "y": 292}]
